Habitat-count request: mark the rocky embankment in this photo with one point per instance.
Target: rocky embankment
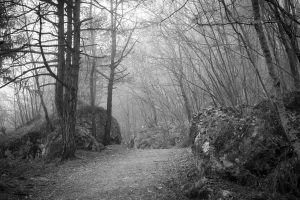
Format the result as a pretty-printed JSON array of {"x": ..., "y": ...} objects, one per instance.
[
  {"x": 247, "y": 149},
  {"x": 34, "y": 140}
]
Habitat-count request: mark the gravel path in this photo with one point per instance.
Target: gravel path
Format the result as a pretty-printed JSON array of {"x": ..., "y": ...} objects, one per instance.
[{"x": 119, "y": 173}]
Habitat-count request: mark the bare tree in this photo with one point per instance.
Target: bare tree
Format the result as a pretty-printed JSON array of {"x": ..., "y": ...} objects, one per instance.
[
  {"x": 116, "y": 57},
  {"x": 93, "y": 73},
  {"x": 290, "y": 134}
]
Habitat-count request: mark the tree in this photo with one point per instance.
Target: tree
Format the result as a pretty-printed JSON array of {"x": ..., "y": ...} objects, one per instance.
[
  {"x": 115, "y": 59},
  {"x": 288, "y": 29},
  {"x": 68, "y": 72},
  {"x": 113, "y": 19},
  {"x": 278, "y": 101},
  {"x": 71, "y": 78},
  {"x": 93, "y": 72}
]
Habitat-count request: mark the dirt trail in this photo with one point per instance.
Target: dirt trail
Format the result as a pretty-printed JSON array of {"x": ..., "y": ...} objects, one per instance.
[{"x": 120, "y": 173}]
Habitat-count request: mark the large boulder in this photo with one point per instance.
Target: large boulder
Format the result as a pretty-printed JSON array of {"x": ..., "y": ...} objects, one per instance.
[
  {"x": 249, "y": 148},
  {"x": 83, "y": 135},
  {"x": 53, "y": 146},
  {"x": 35, "y": 144},
  {"x": 34, "y": 140},
  {"x": 84, "y": 118}
]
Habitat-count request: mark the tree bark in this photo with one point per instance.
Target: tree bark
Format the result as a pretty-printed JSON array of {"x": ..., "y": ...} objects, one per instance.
[
  {"x": 93, "y": 75},
  {"x": 185, "y": 100},
  {"x": 111, "y": 76},
  {"x": 290, "y": 47},
  {"x": 71, "y": 77},
  {"x": 290, "y": 134},
  {"x": 109, "y": 109},
  {"x": 183, "y": 93},
  {"x": 59, "y": 89}
]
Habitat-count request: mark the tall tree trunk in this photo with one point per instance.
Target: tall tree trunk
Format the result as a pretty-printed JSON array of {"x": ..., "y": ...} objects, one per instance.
[
  {"x": 183, "y": 92},
  {"x": 292, "y": 32},
  {"x": 112, "y": 74},
  {"x": 20, "y": 107},
  {"x": 109, "y": 108},
  {"x": 71, "y": 78},
  {"x": 59, "y": 89},
  {"x": 290, "y": 134},
  {"x": 49, "y": 123},
  {"x": 27, "y": 118},
  {"x": 93, "y": 75},
  {"x": 185, "y": 100},
  {"x": 33, "y": 111},
  {"x": 153, "y": 120},
  {"x": 290, "y": 48},
  {"x": 247, "y": 43}
]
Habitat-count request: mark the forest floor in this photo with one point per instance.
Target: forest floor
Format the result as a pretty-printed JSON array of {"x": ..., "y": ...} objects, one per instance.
[{"x": 115, "y": 173}]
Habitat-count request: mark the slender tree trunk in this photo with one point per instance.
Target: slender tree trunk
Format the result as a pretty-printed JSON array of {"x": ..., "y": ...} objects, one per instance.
[
  {"x": 154, "y": 121},
  {"x": 111, "y": 76},
  {"x": 247, "y": 43},
  {"x": 59, "y": 89},
  {"x": 109, "y": 109},
  {"x": 21, "y": 110},
  {"x": 290, "y": 50},
  {"x": 182, "y": 90},
  {"x": 25, "y": 107},
  {"x": 290, "y": 134},
  {"x": 185, "y": 100},
  {"x": 66, "y": 127},
  {"x": 33, "y": 111},
  {"x": 292, "y": 31},
  {"x": 49, "y": 123},
  {"x": 93, "y": 75}
]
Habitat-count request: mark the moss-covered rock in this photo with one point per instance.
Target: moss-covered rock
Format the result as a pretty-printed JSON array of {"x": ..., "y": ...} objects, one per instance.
[
  {"x": 34, "y": 139},
  {"x": 247, "y": 148},
  {"x": 84, "y": 118}
]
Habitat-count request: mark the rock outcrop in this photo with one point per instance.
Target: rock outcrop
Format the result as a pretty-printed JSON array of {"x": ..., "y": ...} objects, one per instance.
[
  {"x": 248, "y": 148},
  {"x": 33, "y": 140},
  {"x": 84, "y": 118}
]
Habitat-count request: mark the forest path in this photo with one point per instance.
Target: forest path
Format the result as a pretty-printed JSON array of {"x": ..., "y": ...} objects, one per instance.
[{"x": 120, "y": 173}]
